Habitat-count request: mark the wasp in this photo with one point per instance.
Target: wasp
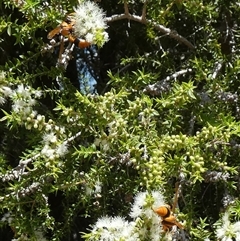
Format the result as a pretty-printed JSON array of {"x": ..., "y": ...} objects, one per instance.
[
  {"x": 168, "y": 219},
  {"x": 66, "y": 29},
  {"x": 166, "y": 212}
]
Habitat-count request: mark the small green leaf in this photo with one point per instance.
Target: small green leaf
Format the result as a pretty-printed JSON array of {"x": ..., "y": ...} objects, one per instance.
[{"x": 9, "y": 30}]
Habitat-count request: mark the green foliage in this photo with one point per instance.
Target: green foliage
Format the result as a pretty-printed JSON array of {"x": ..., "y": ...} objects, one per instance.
[
  {"x": 165, "y": 113},
  {"x": 201, "y": 232}
]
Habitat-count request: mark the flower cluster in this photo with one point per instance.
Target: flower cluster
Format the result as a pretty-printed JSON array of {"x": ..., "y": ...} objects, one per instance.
[
  {"x": 7, "y": 217},
  {"x": 90, "y": 23},
  {"x": 114, "y": 229},
  {"x": 53, "y": 147},
  {"x": 23, "y": 99},
  {"x": 228, "y": 231},
  {"x": 140, "y": 206},
  {"x": 145, "y": 225}
]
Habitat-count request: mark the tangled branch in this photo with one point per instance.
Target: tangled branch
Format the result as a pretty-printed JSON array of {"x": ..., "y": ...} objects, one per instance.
[{"x": 142, "y": 19}]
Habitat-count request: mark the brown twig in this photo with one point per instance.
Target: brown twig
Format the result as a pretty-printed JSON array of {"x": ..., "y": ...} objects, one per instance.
[
  {"x": 142, "y": 19},
  {"x": 144, "y": 10}
]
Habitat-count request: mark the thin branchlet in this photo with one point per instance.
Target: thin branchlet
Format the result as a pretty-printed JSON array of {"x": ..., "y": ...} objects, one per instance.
[
  {"x": 144, "y": 10},
  {"x": 164, "y": 85},
  {"x": 217, "y": 69}
]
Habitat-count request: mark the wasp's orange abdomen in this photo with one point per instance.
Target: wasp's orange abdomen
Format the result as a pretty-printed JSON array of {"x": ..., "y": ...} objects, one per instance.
[
  {"x": 81, "y": 43},
  {"x": 163, "y": 211}
]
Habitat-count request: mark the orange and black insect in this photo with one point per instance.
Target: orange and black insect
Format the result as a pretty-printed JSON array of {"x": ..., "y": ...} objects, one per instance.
[
  {"x": 66, "y": 29},
  {"x": 166, "y": 212},
  {"x": 168, "y": 219}
]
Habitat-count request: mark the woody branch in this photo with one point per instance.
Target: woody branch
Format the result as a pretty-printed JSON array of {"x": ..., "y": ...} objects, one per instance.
[
  {"x": 156, "y": 88},
  {"x": 19, "y": 170},
  {"x": 142, "y": 19}
]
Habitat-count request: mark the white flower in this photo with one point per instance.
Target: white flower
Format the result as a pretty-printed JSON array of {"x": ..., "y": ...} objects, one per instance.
[
  {"x": 139, "y": 200},
  {"x": 62, "y": 149},
  {"x": 105, "y": 36},
  {"x": 226, "y": 232},
  {"x": 118, "y": 223},
  {"x": 18, "y": 105},
  {"x": 88, "y": 190},
  {"x": 90, "y": 23},
  {"x": 62, "y": 130},
  {"x": 136, "y": 211},
  {"x": 48, "y": 127},
  {"x": 38, "y": 93},
  {"x": 128, "y": 232},
  {"x": 102, "y": 222},
  {"x": 98, "y": 187},
  {"x": 49, "y": 138},
  {"x": 23, "y": 91},
  {"x": 31, "y": 102},
  {"x": 137, "y": 207},
  {"x": 155, "y": 230},
  {"x": 236, "y": 227},
  {"x": 2, "y": 100},
  {"x": 7, "y": 218},
  {"x": 113, "y": 228},
  {"x": 89, "y": 37},
  {"x": 26, "y": 111},
  {"x": 237, "y": 236},
  {"x": 6, "y": 91},
  {"x": 105, "y": 145},
  {"x": 33, "y": 113},
  {"x": 2, "y": 75},
  {"x": 22, "y": 101},
  {"x": 48, "y": 152},
  {"x": 158, "y": 199}
]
